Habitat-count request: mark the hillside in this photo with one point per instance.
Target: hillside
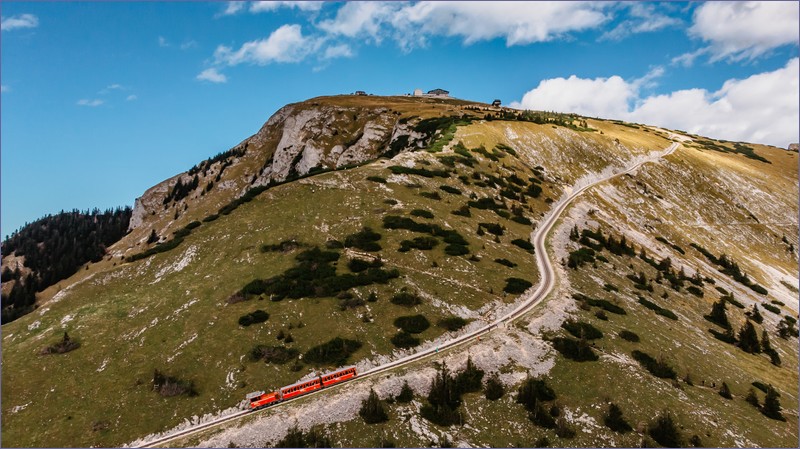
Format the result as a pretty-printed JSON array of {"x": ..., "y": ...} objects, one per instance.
[{"x": 335, "y": 221}]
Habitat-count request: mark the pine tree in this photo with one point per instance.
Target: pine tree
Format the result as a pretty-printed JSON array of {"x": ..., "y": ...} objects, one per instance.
[
  {"x": 748, "y": 338},
  {"x": 756, "y": 315},
  {"x": 494, "y": 388},
  {"x": 752, "y": 398},
  {"x": 470, "y": 379},
  {"x": 725, "y": 392},
  {"x": 615, "y": 421},
  {"x": 772, "y": 406},
  {"x": 665, "y": 431},
  {"x": 718, "y": 314},
  {"x": 372, "y": 409},
  {"x": 406, "y": 394}
]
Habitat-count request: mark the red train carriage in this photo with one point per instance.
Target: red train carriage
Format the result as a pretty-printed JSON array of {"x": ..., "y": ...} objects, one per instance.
[
  {"x": 337, "y": 376},
  {"x": 260, "y": 399},
  {"x": 300, "y": 388}
]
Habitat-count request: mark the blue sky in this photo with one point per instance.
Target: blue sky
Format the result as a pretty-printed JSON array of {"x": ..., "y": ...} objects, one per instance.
[{"x": 100, "y": 101}]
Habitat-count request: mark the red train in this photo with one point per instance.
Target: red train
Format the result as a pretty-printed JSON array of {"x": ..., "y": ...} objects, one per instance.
[{"x": 260, "y": 399}]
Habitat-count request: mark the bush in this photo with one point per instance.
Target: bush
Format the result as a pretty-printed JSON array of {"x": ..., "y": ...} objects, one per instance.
[
  {"x": 658, "y": 309},
  {"x": 772, "y": 308},
  {"x": 580, "y": 257},
  {"x": 422, "y": 243},
  {"x": 533, "y": 391},
  {"x": 506, "y": 262},
  {"x": 577, "y": 350},
  {"x": 379, "y": 179},
  {"x": 492, "y": 228},
  {"x": 521, "y": 220},
  {"x": 494, "y": 389},
  {"x": 725, "y": 391},
  {"x": 373, "y": 410},
  {"x": 658, "y": 368},
  {"x": 455, "y": 249},
  {"x": 403, "y": 339},
  {"x": 168, "y": 386},
  {"x": 296, "y": 438},
  {"x": 359, "y": 265},
  {"x": 601, "y": 303},
  {"x": 451, "y": 190},
  {"x": 516, "y": 285},
  {"x": 255, "y": 317},
  {"x": 462, "y": 211},
  {"x": 629, "y": 336},
  {"x": 365, "y": 240},
  {"x": 284, "y": 246},
  {"x": 334, "y": 352},
  {"x": 615, "y": 421},
  {"x": 66, "y": 344},
  {"x": 452, "y": 323},
  {"x": 273, "y": 354},
  {"x": 413, "y": 324},
  {"x": 469, "y": 380},
  {"x": 665, "y": 431},
  {"x": 422, "y": 213},
  {"x": 524, "y": 244},
  {"x": 580, "y": 329},
  {"x": 406, "y": 299},
  {"x": 400, "y": 170}
]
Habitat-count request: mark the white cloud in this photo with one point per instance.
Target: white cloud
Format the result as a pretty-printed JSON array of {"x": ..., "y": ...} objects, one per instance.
[
  {"x": 90, "y": 103},
  {"x": 212, "y": 75},
  {"x": 745, "y": 30},
  {"x": 110, "y": 88},
  {"x": 131, "y": 97},
  {"x": 762, "y": 108},
  {"x": 19, "y": 21},
  {"x": 5, "y": 88},
  {"x": 643, "y": 18},
  {"x": 286, "y": 44},
  {"x": 687, "y": 59},
  {"x": 188, "y": 44},
  {"x": 518, "y": 23},
  {"x": 257, "y": 7},
  {"x": 338, "y": 51},
  {"x": 232, "y": 8},
  {"x": 162, "y": 41}
]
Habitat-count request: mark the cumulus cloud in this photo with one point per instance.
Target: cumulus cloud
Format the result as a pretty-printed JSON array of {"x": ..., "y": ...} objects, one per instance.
[
  {"x": 745, "y": 30},
  {"x": 131, "y": 97},
  {"x": 19, "y": 21},
  {"x": 232, "y": 8},
  {"x": 762, "y": 108},
  {"x": 338, "y": 51},
  {"x": 266, "y": 6},
  {"x": 212, "y": 75},
  {"x": 286, "y": 44},
  {"x": 642, "y": 18},
  {"x": 90, "y": 102},
  {"x": 518, "y": 23}
]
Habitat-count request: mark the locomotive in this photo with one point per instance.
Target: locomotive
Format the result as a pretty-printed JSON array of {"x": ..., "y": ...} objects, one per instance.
[{"x": 261, "y": 399}]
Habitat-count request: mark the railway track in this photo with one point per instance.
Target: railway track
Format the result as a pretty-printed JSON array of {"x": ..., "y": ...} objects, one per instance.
[{"x": 544, "y": 287}]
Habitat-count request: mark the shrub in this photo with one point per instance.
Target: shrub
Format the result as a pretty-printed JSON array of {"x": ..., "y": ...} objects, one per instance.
[
  {"x": 255, "y": 317},
  {"x": 422, "y": 213},
  {"x": 455, "y": 249},
  {"x": 463, "y": 211},
  {"x": 580, "y": 257},
  {"x": 406, "y": 299},
  {"x": 469, "y": 380},
  {"x": 533, "y": 391},
  {"x": 725, "y": 391},
  {"x": 284, "y": 246},
  {"x": 430, "y": 195},
  {"x": 334, "y": 352},
  {"x": 521, "y": 220},
  {"x": 506, "y": 262},
  {"x": 403, "y": 339},
  {"x": 379, "y": 179},
  {"x": 451, "y": 190},
  {"x": 365, "y": 240},
  {"x": 516, "y": 285},
  {"x": 664, "y": 430},
  {"x": 615, "y": 421},
  {"x": 273, "y": 354},
  {"x": 452, "y": 323},
  {"x": 629, "y": 336},
  {"x": 422, "y": 243},
  {"x": 577, "y": 350},
  {"x": 359, "y": 265},
  {"x": 400, "y": 170},
  {"x": 296, "y": 438},
  {"x": 658, "y": 309},
  {"x": 658, "y": 368},
  {"x": 413, "y": 324},
  {"x": 602, "y": 303},
  {"x": 772, "y": 308},
  {"x": 524, "y": 244},
  {"x": 492, "y": 228},
  {"x": 494, "y": 389},
  {"x": 168, "y": 386},
  {"x": 66, "y": 344},
  {"x": 580, "y": 329}
]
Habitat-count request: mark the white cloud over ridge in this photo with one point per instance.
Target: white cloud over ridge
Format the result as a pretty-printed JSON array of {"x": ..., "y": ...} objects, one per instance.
[
  {"x": 746, "y": 30},
  {"x": 762, "y": 108},
  {"x": 286, "y": 44},
  {"x": 19, "y": 21}
]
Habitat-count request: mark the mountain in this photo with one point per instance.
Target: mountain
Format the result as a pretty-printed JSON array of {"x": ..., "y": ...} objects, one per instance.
[{"x": 359, "y": 229}]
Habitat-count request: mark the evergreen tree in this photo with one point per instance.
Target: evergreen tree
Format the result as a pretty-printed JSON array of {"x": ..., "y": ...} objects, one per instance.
[
  {"x": 718, "y": 314},
  {"x": 153, "y": 237},
  {"x": 725, "y": 392},
  {"x": 752, "y": 398},
  {"x": 748, "y": 338},
  {"x": 406, "y": 394},
  {"x": 615, "y": 421},
  {"x": 772, "y": 406},
  {"x": 470, "y": 379},
  {"x": 755, "y": 315},
  {"x": 494, "y": 388},
  {"x": 533, "y": 391},
  {"x": 664, "y": 430},
  {"x": 372, "y": 409}
]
